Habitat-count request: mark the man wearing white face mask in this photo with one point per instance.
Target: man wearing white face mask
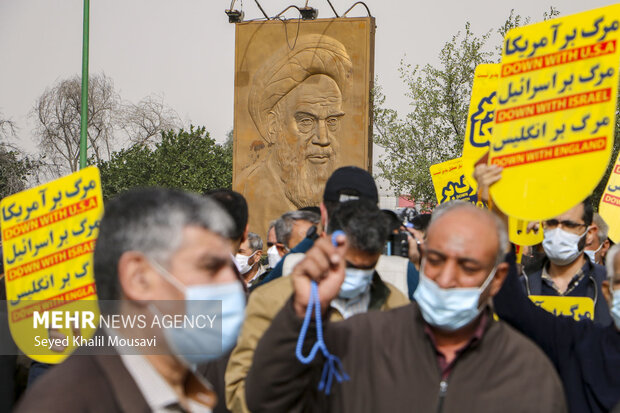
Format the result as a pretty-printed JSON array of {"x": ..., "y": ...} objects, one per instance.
[
  {"x": 362, "y": 291},
  {"x": 156, "y": 248},
  {"x": 569, "y": 271},
  {"x": 585, "y": 354},
  {"x": 597, "y": 249},
  {"x": 248, "y": 258},
  {"x": 273, "y": 256},
  {"x": 443, "y": 354}
]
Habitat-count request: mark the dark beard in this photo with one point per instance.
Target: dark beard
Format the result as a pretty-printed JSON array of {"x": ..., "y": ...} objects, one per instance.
[{"x": 303, "y": 181}]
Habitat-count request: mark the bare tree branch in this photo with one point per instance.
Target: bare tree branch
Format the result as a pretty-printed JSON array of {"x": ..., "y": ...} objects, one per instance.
[
  {"x": 143, "y": 122},
  {"x": 58, "y": 113}
]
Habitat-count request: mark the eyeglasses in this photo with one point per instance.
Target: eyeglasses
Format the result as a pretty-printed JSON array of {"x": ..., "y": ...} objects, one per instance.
[{"x": 568, "y": 224}]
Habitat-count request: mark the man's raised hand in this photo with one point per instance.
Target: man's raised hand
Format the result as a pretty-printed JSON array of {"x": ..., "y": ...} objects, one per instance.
[{"x": 325, "y": 264}]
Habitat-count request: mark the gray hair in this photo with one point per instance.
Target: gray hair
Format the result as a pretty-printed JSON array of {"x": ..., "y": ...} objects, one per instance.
[
  {"x": 255, "y": 241},
  {"x": 284, "y": 224},
  {"x": 500, "y": 226},
  {"x": 603, "y": 228},
  {"x": 272, "y": 224},
  {"x": 150, "y": 221},
  {"x": 609, "y": 261}
]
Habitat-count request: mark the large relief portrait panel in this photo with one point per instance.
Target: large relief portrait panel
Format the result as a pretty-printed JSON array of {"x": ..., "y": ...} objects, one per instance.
[{"x": 302, "y": 109}]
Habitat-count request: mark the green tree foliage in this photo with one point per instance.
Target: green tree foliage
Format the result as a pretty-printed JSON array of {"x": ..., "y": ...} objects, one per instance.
[
  {"x": 112, "y": 122},
  {"x": 188, "y": 160},
  {"x": 434, "y": 130},
  {"x": 16, "y": 168},
  {"x": 15, "y": 171}
]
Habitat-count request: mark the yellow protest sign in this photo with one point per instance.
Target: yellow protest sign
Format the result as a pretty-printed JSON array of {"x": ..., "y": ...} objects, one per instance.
[
  {"x": 579, "y": 308},
  {"x": 518, "y": 234},
  {"x": 480, "y": 116},
  {"x": 450, "y": 182},
  {"x": 609, "y": 207},
  {"x": 555, "y": 113},
  {"x": 48, "y": 239}
]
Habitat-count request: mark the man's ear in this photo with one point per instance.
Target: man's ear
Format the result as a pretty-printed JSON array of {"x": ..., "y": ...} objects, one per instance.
[
  {"x": 605, "y": 248},
  {"x": 323, "y": 222},
  {"x": 592, "y": 232},
  {"x": 273, "y": 127},
  {"x": 135, "y": 276},
  {"x": 258, "y": 256},
  {"x": 498, "y": 280}
]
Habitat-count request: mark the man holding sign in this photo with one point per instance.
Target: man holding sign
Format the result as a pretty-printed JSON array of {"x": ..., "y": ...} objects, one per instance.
[
  {"x": 156, "y": 248},
  {"x": 568, "y": 271},
  {"x": 586, "y": 354}
]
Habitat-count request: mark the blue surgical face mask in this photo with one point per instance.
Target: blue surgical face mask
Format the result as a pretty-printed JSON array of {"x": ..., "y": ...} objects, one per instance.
[
  {"x": 199, "y": 345},
  {"x": 615, "y": 306},
  {"x": 356, "y": 282},
  {"x": 448, "y": 308}
]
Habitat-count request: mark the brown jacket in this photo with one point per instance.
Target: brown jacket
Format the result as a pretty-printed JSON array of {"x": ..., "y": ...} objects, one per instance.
[
  {"x": 93, "y": 383},
  {"x": 263, "y": 305},
  {"x": 85, "y": 383},
  {"x": 393, "y": 368}
]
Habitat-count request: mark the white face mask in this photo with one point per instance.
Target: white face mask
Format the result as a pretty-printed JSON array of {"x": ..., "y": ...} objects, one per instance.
[
  {"x": 448, "y": 308},
  {"x": 562, "y": 247},
  {"x": 273, "y": 256},
  {"x": 592, "y": 253},
  {"x": 241, "y": 261}
]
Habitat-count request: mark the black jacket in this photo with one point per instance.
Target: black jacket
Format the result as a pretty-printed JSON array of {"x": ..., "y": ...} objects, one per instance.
[
  {"x": 590, "y": 287},
  {"x": 585, "y": 354}
]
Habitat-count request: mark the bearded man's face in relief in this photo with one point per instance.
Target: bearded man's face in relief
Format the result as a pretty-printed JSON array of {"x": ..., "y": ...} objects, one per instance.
[{"x": 305, "y": 126}]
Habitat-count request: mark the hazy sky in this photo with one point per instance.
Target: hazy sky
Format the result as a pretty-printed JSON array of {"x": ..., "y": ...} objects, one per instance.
[{"x": 184, "y": 49}]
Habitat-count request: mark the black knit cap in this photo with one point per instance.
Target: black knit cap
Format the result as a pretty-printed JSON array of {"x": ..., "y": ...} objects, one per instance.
[{"x": 350, "y": 182}]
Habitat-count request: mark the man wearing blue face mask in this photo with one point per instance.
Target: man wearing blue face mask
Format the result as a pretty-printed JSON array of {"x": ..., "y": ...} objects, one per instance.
[
  {"x": 362, "y": 291},
  {"x": 364, "y": 225},
  {"x": 444, "y": 353},
  {"x": 160, "y": 253},
  {"x": 568, "y": 271}
]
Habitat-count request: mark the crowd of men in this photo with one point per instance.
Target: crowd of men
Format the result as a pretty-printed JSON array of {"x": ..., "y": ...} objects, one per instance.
[{"x": 318, "y": 315}]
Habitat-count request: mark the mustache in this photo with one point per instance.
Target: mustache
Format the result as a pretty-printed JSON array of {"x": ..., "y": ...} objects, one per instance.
[{"x": 326, "y": 153}]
